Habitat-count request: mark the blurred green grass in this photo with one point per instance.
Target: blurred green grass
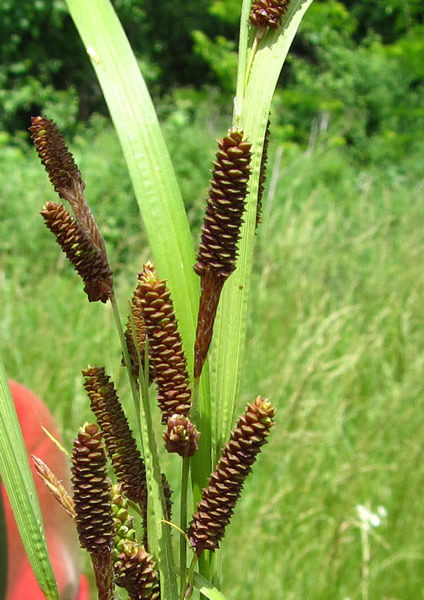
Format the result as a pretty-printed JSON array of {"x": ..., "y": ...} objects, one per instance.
[{"x": 335, "y": 341}]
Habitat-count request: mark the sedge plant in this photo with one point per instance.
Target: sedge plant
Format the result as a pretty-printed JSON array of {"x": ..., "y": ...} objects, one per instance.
[{"x": 189, "y": 309}]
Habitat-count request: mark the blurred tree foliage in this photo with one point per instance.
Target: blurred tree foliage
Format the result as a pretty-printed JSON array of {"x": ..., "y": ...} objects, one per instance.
[{"x": 355, "y": 75}]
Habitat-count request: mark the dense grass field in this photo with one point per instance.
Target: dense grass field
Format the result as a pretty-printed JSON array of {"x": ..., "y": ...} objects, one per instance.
[{"x": 336, "y": 339}]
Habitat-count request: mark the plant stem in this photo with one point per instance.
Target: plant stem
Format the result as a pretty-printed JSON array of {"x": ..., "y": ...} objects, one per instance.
[
  {"x": 189, "y": 589},
  {"x": 127, "y": 360},
  {"x": 185, "y": 469},
  {"x": 366, "y": 556}
]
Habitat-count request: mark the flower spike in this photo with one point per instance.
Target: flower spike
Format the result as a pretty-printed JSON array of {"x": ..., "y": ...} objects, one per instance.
[
  {"x": 92, "y": 495},
  {"x": 268, "y": 13},
  {"x": 89, "y": 262},
  {"x": 167, "y": 359},
  {"x": 120, "y": 443},
  {"x": 262, "y": 174},
  {"x": 80, "y": 238},
  {"x": 219, "y": 497},
  {"x": 217, "y": 253}
]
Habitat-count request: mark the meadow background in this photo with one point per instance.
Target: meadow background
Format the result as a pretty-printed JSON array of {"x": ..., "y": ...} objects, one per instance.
[{"x": 336, "y": 326}]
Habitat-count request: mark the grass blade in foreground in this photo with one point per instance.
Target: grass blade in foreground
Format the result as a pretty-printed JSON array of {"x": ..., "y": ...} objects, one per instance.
[
  {"x": 251, "y": 114},
  {"x": 206, "y": 588},
  {"x": 19, "y": 484},
  {"x": 154, "y": 183},
  {"x": 3, "y": 551}
]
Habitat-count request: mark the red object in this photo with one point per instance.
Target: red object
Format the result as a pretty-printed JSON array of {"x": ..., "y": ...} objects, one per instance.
[{"x": 61, "y": 535}]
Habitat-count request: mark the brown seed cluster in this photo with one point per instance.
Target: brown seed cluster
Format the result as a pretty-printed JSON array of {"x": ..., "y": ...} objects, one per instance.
[
  {"x": 181, "y": 436},
  {"x": 165, "y": 346},
  {"x": 268, "y": 13},
  {"x": 91, "y": 490},
  {"x": 169, "y": 366},
  {"x": 219, "y": 497},
  {"x": 92, "y": 495},
  {"x": 56, "y": 158},
  {"x": 225, "y": 207},
  {"x": 86, "y": 259},
  {"x": 120, "y": 443},
  {"x": 136, "y": 346},
  {"x": 217, "y": 253},
  {"x": 135, "y": 571},
  {"x": 262, "y": 175},
  {"x": 89, "y": 254}
]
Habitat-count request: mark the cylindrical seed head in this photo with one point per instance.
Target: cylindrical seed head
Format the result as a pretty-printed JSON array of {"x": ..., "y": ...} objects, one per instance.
[
  {"x": 89, "y": 262},
  {"x": 219, "y": 497},
  {"x": 166, "y": 353},
  {"x": 268, "y": 13},
  {"x": 120, "y": 443},
  {"x": 181, "y": 436},
  {"x": 91, "y": 491},
  {"x": 135, "y": 571},
  {"x": 225, "y": 206}
]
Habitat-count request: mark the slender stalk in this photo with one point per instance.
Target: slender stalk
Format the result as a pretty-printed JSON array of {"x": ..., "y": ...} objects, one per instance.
[
  {"x": 366, "y": 556},
  {"x": 156, "y": 499},
  {"x": 185, "y": 470},
  {"x": 158, "y": 530},
  {"x": 127, "y": 360}
]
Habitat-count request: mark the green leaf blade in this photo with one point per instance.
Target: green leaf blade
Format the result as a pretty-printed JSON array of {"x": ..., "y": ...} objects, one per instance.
[
  {"x": 252, "y": 108},
  {"x": 20, "y": 488},
  {"x": 154, "y": 183}
]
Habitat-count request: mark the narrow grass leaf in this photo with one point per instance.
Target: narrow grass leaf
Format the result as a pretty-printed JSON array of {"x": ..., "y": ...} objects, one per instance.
[
  {"x": 20, "y": 488},
  {"x": 206, "y": 588},
  {"x": 251, "y": 114},
  {"x": 153, "y": 180},
  {"x": 3, "y": 551}
]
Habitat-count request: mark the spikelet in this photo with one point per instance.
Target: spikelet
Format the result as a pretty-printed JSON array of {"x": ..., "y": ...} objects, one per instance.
[
  {"x": 92, "y": 495},
  {"x": 134, "y": 568},
  {"x": 219, "y": 497},
  {"x": 123, "y": 521},
  {"x": 262, "y": 174},
  {"x": 90, "y": 253},
  {"x": 136, "y": 321},
  {"x": 135, "y": 571},
  {"x": 217, "y": 253},
  {"x": 56, "y": 487},
  {"x": 120, "y": 443},
  {"x": 86, "y": 259},
  {"x": 165, "y": 346},
  {"x": 268, "y": 13},
  {"x": 56, "y": 158},
  {"x": 181, "y": 436},
  {"x": 167, "y": 358}
]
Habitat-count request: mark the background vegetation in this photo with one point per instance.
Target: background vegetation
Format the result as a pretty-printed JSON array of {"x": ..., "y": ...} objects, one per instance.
[{"x": 336, "y": 327}]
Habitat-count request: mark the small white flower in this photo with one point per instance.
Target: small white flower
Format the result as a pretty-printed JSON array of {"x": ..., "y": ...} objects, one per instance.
[
  {"x": 382, "y": 511},
  {"x": 367, "y": 518}
]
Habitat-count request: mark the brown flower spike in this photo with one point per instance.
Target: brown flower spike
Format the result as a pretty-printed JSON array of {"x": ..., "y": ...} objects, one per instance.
[
  {"x": 134, "y": 567},
  {"x": 181, "y": 436},
  {"x": 165, "y": 346},
  {"x": 120, "y": 443},
  {"x": 219, "y": 497},
  {"x": 217, "y": 253},
  {"x": 167, "y": 357},
  {"x": 135, "y": 321},
  {"x": 268, "y": 13},
  {"x": 262, "y": 174},
  {"x": 92, "y": 495},
  {"x": 135, "y": 571},
  {"x": 89, "y": 262},
  {"x": 89, "y": 255}
]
